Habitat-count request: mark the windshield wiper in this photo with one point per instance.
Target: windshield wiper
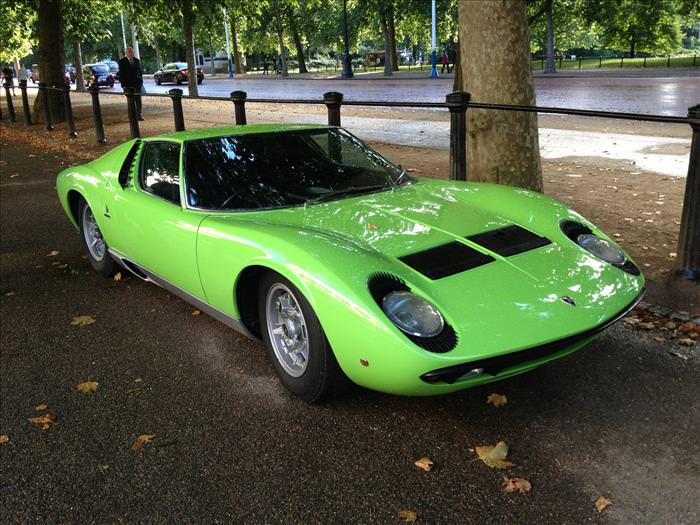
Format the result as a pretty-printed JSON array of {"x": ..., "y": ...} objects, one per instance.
[{"x": 347, "y": 191}]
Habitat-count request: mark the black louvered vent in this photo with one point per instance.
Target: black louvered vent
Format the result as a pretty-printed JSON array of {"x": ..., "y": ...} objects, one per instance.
[
  {"x": 509, "y": 240},
  {"x": 447, "y": 259},
  {"x": 380, "y": 284}
]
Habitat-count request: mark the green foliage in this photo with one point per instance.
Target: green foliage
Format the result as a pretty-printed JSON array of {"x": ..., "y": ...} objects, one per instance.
[{"x": 17, "y": 31}]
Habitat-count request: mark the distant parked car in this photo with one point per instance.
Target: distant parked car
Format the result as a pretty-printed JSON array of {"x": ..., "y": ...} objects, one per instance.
[
  {"x": 176, "y": 72},
  {"x": 113, "y": 69},
  {"x": 70, "y": 74},
  {"x": 97, "y": 74}
]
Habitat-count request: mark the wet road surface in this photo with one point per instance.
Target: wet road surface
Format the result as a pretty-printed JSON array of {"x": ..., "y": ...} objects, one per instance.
[{"x": 617, "y": 419}]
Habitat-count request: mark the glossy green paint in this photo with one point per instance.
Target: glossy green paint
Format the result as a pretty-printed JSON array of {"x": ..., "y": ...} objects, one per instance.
[{"x": 329, "y": 251}]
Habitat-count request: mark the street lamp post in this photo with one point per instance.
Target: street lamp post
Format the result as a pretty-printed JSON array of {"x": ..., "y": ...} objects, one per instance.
[
  {"x": 228, "y": 46},
  {"x": 433, "y": 55},
  {"x": 347, "y": 64}
]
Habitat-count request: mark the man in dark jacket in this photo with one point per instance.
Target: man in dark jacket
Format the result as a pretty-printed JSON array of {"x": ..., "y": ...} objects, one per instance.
[{"x": 130, "y": 76}]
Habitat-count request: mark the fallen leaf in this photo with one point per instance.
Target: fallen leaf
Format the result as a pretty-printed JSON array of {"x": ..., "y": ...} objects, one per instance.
[
  {"x": 679, "y": 355},
  {"x": 494, "y": 457},
  {"x": 53, "y": 253},
  {"x": 497, "y": 400},
  {"x": 601, "y": 503},
  {"x": 424, "y": 464},
  {"x": 686, "y": 341},
  {"x": 646, "y": 326},
  {"x": 45, "y": 421},
  {"x": 118, "y": 276},
  {"x": 516, "y": 485},
  {"x": 9, "y": 294},
  {"x": 408, "y": 515},
  {"x": 61, "y": 266},
  {"x": 103, "y": 468},
  {"x": 143, "y": 439},
  {"x": 41, "y": 408},
  {"x": 87, "y": 386},
  {"x": 196, "y": 312},
  {"x": 82, "y": 320},
  {"x": 4, "y": 439}
]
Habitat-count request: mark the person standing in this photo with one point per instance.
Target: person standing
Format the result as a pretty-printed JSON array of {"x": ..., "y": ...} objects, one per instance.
[
  {"x": 445, "y": 60},
  {"x": 8, "y": 77},
  {"x": 130, "y": 76}
]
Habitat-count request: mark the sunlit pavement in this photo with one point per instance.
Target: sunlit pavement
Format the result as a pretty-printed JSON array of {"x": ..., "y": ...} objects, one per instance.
[{"x": 617, "y": 419}]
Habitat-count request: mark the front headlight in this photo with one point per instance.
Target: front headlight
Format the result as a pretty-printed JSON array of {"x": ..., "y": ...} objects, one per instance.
[
  {"x": 601, "y": 248},
  {"x": 413, "y": 314}
]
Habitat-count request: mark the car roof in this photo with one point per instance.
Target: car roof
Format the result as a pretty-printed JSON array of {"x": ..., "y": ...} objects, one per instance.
[{"x": 225, "y": 131}]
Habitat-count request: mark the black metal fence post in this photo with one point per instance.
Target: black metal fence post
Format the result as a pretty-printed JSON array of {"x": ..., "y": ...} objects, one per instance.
[
  {"x": 333, "y": 100},
  {"x": 69, "y": 111},
  {"x": 622, "y": 59},
  {"x": 579, "y": 62},
  {"x": 46, "y": 105},
  {"x": 10, "y": 105},
  {"x": 176, "y": 96},
  {"x": 668, "y": 64},
  {"x": 600, "y": 62},
  {"x": 97, "y": 113},
  {"x": 131, "y": 110},
  {"x": 25, "y": 102},
  {"x": 689, "y": 237},
  {"x": 238, "y": 98},
  {"x": 458, "y": 103}
]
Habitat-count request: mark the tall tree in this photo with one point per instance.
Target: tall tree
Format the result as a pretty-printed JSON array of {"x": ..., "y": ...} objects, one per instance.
[
  {"x": 188, "y": 20},
  {"x": 388, "y": 54},
  {"x": 296, "y": 38},
  {"x": 51, "y": 57},
  {"x": 503, "y": 146}
]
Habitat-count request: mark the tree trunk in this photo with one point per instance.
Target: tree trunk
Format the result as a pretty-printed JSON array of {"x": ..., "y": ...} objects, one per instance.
[
  {"x": 51, "y": 58},
  {"x": 156, "y": 48},
  {"x": 283, "y": 58},
  {"x": 78, "y": 63},
  {"x": 632, "y": 45},
  {"x": 549, "y": 66},
  {"x": 388, "y": 68},
  {"x": 238, "y": 67},
  {"x": 188, "y": 18},
  {"x": 297, "y": 42},
  {"x": 503, "y": 146},
  {"x": 211, "y": 58},
  {"x": 457, "y": 67},
  {"x": 392, "y": 36}
]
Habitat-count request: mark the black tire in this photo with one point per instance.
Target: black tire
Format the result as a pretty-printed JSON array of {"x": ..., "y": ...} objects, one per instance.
[
  {"x": 322, "y": 377},
  {"x": 104, "y": 266},
  {"x": 178, "y": 80},
  {"x": 157, "y": 79}
]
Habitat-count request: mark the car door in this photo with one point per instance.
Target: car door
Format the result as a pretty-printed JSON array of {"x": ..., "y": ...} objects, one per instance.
[
  {"x": 154, "y": 230},
  {"x": 170, "y": 72}
]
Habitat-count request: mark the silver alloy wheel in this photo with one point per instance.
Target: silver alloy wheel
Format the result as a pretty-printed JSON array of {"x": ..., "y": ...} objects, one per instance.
[
  {"x": 287, "y": 329},
  {"x": 93, "y": 236}
]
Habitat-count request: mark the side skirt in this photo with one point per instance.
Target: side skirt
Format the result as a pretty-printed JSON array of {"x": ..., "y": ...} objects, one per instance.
[{"x": 148, "y": 276}]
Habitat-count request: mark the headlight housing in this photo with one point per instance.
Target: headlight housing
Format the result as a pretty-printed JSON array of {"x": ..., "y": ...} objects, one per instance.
[
  {"x": 601, "y": 248},
  {"x": 413, "y": 314}
]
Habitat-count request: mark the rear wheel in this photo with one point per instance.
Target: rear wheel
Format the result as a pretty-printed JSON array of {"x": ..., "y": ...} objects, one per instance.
[
  {"x": 296, "y": 344},
  {"x": 95, "y": 245}
]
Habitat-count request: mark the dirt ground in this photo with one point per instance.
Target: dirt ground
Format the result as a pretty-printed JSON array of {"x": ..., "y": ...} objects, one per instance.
[{"x": 641, "y": 210}]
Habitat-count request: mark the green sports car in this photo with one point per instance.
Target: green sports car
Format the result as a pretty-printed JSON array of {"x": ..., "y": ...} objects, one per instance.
[{"x": 347, "y": 268}]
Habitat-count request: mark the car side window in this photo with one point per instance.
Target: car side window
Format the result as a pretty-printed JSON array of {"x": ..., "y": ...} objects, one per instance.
[{"x": 160, "y": 170}]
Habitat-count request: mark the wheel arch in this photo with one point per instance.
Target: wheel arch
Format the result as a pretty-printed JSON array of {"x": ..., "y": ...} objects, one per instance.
[
  {"x": 73, "y": 198},
  {"x": 246, "y": 296}
]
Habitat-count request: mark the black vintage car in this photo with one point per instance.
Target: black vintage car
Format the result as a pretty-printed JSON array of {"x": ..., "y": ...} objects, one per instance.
[
  {"x": 175, "y": 72},
  {"x": 97, "y": 75}
]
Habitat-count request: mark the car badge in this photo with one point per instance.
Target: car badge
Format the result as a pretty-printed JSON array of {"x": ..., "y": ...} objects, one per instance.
[{"x": 568, "y": 300}]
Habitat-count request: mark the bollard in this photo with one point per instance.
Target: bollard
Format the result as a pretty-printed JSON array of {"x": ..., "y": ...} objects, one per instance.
[
  {"x": 458, "y": 103},
  {"x": 579, "y": 62},
  {"x": 10, "y": 105},
  {"x": 600, "y": 62},
  {"x": 97, "y": 113},
  {"x": 689, "y": 237},
  {"x": 25, "y": 102},
  {"x": 622, "y": 59},
  {"x": 333, "y": 100},
  {"x": 176, "y": 96},
  {"x": 69, "y": 111},
  {"x": 644, "y": 64},
  {"x": 131, "y": 111},
  {"x": 46, "y": 105},
  {"x": 668, "y": 64},
  {"x": 238, "y": 98}
]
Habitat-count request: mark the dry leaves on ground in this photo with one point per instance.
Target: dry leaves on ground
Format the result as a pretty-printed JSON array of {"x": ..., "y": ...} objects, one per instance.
[
  {"x": 516, "y": 485},
  {"x": 118, "y": 276},
  {"x": 4, "y": 439},
  {"x": 497, "y": 400},
  {"x": 143, "y": 439},
  {"x": 42, "y": 407},
  {"x": 45, "y": 421},
  {"x": 82, "y": 320},
  {"x": 196, "y": 312},
  {"x": 424, "y": 464},
  {"x": 87, "y": 386},
  {"x": 494, "y": 457},
  {"x": 53, "y": 253},
  {"x": 408, "y": 515},
  {"x": 601, "y": 503}
]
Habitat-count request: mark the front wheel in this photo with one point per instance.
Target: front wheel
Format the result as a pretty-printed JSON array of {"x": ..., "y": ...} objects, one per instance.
[
  {"x": 95, "y": 245},
  {"x": 157, "y": 79},
  {"x": 296, "y": 344},
  {"x": 178, "y": 80}
]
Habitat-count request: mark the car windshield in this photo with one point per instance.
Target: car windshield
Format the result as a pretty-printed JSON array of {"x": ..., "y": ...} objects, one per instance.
[
  {"x": 100, "y": 68},
  {"x": 270, "y": 170}
]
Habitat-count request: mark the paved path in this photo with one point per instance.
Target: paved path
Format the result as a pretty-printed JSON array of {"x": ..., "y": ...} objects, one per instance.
[{"x": 617, "y": 419}]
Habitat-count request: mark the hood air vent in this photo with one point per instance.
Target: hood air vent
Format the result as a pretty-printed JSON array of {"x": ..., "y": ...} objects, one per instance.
[
  {"x": 510, "y": 240},
  {"x": 447, "y": 259}
]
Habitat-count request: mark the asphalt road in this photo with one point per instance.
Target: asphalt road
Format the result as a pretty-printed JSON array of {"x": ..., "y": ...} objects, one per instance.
[{"x": 617, "y": 419}]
